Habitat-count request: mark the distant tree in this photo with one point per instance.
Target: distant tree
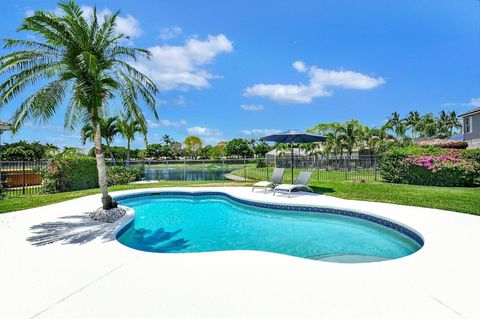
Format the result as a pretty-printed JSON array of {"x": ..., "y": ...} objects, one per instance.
[
  {"x": 108, "y": 130},
  {"x": 261, "y": 149},
  {"x": 428, "y": 126},
  {"x": 412, "y": 121},
  {"x": 18, "y": 153},
  {"x": 192, "y": 144},
  {"x": 154, "y": 151},
  {"x": 239, "y": 147},
  {"x": 351, "y": 134},
  {"x": 128, "y": 127}
]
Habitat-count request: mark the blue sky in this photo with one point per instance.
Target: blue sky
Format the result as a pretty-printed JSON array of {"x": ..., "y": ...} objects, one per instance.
[{"x": 243, "y": 69}]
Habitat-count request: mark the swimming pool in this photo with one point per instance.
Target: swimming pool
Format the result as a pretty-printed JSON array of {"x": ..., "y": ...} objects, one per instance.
[{"x": 176, "y": 222}]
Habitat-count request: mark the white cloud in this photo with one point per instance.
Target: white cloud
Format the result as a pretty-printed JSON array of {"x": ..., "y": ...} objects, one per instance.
[
  {"x": 170, "y": 33},
  {"x": 183, "y": 67},
  {"x": 127, "y": 25},
  {"x": 320, "y": 82},
  {"x": 259, "y": 132},
  {"x": 165, "y": 123},
  {"x": 475, "y": 102},
  {"x": 204, "y": 131},
  {"x": 252, "y": 107},
  {"x": 299, "y": 66}
]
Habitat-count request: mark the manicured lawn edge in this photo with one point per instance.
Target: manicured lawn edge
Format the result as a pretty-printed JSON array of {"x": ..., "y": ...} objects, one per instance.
[{"x": 458, "y": 199}]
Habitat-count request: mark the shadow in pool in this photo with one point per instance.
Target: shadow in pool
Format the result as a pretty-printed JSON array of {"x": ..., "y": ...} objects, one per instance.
[
  {"x": 159, "y": 241},
  {"x": 76, "y": 229}
]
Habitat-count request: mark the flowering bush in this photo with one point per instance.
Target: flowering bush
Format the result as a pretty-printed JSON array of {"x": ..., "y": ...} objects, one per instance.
[{"x": 437, "y": 167}]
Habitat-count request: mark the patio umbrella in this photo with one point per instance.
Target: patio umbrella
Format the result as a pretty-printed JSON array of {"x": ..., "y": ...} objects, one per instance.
[{"x": 291, "y": 137}]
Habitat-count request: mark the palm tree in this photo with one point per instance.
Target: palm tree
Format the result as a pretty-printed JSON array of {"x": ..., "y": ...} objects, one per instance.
[
  {"x": 394, "y": 119},
  {"x": 412, "y": 121},
  {"x": 428, "y": 127},
  {"x": 76, "y": 59},
  {"x": 108, "y": 129},
  {"x": 127, "y": 127},
  {"x": 351, "y": 133}
]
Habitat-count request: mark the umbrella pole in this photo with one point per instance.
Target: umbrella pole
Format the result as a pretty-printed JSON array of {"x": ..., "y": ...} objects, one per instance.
[{"x": 291, "y": 163}]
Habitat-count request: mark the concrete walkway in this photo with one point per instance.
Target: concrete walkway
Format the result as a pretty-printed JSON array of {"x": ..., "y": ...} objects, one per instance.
[{"x": 56, "y": 263}]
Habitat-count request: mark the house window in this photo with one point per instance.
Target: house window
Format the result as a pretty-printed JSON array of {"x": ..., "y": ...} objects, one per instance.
[{"x": 467, "y": 125}]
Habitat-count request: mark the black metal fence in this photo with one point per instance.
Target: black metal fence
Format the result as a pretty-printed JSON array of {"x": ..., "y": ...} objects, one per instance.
[{"x": 23, "y": 178}]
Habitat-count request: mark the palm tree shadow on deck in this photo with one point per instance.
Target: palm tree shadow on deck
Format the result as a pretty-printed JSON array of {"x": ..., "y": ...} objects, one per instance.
[
  {"x": 76, "y": 229},
  {"x": 81, "y": 229}
]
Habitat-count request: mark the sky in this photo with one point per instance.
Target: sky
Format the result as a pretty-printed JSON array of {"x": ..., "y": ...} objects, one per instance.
[{"x": 229, "y": 69}]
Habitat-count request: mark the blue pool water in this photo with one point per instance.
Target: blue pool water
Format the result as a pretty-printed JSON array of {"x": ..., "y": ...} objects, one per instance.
[{"x": 182, "y": 224}]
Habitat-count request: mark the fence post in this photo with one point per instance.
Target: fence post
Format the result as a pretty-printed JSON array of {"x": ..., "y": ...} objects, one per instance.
[
  {"x": 244, "y": 169},
  {"x": 23, "y": 177},
  {"x": 266, "y": 166}
]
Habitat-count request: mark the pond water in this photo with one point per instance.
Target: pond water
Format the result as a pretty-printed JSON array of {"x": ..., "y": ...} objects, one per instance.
[{"x": 186, "y": 174}]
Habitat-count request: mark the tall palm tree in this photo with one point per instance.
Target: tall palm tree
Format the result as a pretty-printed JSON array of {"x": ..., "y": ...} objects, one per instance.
[
  {"x": 412, "y": 120},
  {"x": 394, "y": 119},
  {"x": 108, "y": 128},
  {"x": 128, "y": 127},
  {"x": 453, "y": 122},
  {"x": 78, "y": 59}
]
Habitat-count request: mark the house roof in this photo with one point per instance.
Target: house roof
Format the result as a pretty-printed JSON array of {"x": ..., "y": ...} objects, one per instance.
[
  {"x": 4, "y": 126},
  {"x": 474, "y": 111}
]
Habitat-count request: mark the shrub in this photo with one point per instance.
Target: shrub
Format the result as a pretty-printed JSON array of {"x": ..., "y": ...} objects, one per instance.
[
  {"x": 2, "y": 194},
  {"x": 430, "y": 166},
  {"x": 68, "y": 173},
  {"x": 120, "y": 175},
  {"x": 261, "y": 162}
]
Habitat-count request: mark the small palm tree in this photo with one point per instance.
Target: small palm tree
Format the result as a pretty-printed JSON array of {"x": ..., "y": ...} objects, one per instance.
[
  {"x": 108, "y": 129},
  {"x": 128, "y": 127},
  {"x": 351, "y": 133},
  {"x": 78, "y": 59},
  {"x": 412, "y": 121}
]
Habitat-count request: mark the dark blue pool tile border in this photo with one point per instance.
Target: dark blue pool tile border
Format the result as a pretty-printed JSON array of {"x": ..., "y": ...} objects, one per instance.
[{"x": 323, "y": 210}]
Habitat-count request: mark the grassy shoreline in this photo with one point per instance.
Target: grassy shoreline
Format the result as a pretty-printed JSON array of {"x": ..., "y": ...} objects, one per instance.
[{"x": 458, "y": 199}]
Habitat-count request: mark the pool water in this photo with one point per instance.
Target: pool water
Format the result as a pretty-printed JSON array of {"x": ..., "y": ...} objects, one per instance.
[{"x": 182, "y": 224}]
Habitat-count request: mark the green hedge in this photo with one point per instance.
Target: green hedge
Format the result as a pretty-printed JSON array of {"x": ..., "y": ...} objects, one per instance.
[
  {"x": 69, "y": 173},
  {"x": 431, "y": 166}
]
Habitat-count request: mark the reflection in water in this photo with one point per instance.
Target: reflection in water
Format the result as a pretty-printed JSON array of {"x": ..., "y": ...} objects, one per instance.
[
  {"x": 160, "y": 240},
  {"x": 180, "y": 174}
]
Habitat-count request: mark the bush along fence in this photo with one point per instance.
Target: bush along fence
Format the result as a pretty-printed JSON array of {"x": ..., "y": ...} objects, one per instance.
[
  {"x": 79, "y": 172},
  {"x": 431, "y": 166}
]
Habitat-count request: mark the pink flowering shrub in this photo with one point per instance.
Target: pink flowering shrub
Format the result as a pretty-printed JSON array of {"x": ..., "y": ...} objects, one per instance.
[{"x": 430, "y": 167}]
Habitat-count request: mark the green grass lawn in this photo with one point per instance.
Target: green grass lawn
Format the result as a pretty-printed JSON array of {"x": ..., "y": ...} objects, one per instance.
[
  {"x": 254, "y": 173},
  {"x": 465, "y": 200}
]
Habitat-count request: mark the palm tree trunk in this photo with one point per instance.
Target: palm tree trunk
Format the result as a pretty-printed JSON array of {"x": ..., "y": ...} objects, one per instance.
[
  {"x": 128, "y": 152},
  {"x": 111, "y": 153},
  {"x": 107, "y": 201}
]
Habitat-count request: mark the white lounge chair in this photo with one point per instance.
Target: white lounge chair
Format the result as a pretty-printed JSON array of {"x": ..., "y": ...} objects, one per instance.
[
  {"x": 277, "y": 177},
  {"x": 301, "y": 182}
]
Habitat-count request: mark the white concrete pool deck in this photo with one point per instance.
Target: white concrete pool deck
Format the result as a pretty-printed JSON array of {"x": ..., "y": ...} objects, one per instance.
[{"x": 56, "y": 263}]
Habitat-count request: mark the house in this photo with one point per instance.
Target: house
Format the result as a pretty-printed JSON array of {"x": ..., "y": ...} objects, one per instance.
[{"x": 471, "y": 127}]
